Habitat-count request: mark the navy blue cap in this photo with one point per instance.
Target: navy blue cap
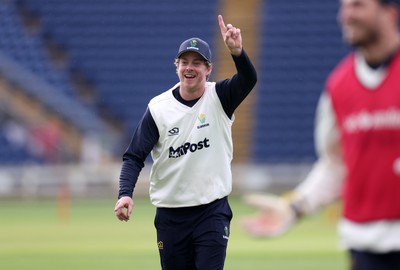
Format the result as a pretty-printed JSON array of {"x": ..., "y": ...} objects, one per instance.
[{"x": 195, "y": 45}]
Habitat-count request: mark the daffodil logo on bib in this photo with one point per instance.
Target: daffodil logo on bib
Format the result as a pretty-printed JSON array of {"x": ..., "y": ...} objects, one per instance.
[{"x": 202, "y": 118}]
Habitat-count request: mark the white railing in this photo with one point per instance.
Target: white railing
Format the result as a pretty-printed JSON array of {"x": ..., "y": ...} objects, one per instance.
[{"x": 101, "y": 180}]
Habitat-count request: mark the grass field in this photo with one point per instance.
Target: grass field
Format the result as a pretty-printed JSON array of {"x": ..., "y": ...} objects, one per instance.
[{"x": 42, "y": 235}]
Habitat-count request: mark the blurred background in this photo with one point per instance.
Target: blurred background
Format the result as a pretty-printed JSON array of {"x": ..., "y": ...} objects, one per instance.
[{"x": 76, "y": 77}]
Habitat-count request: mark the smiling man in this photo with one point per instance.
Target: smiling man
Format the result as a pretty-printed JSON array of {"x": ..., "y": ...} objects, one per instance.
[{"x": 187, "y": 130}]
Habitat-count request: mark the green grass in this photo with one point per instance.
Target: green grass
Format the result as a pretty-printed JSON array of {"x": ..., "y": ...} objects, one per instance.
[{"x": 86, "y": 235}]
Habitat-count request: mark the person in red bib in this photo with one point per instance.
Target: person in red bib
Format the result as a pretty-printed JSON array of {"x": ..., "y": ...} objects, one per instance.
[{"x": 357, "y": 137}]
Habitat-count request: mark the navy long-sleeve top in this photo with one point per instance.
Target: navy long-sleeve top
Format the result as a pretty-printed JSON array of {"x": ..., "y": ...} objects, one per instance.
[{"x": 231, "y": 92}]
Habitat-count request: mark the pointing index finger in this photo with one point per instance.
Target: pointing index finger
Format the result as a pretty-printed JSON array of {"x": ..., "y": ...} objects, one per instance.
[{"x": 222, "y": 24}]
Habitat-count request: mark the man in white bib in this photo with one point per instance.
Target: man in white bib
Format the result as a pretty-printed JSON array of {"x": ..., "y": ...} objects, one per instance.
[{"x": 187, "y": 130}]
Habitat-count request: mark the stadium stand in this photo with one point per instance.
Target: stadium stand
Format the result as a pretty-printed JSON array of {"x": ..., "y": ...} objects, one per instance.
[
  {"x": 120, "y": 46},
  {"x": 300, "y": 43},
  {"x": 117, "y": 47},
  {"x": 25, "y": 65},
  {"x": 100, "y": 61}
]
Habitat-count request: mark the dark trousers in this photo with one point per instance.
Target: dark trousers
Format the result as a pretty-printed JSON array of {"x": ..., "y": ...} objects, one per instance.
[
  {"x": 193, "y": 238},
  {"x": 362, "y": 260}
]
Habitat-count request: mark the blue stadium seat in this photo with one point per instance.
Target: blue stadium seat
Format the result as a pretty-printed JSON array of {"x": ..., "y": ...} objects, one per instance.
[{"x": 28, "y": 49}]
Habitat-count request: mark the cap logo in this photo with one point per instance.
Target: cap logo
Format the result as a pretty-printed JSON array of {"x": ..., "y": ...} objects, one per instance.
[{"x": 193, "y": 43}]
